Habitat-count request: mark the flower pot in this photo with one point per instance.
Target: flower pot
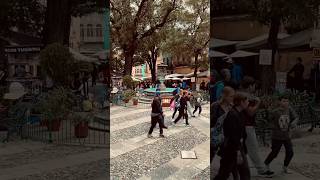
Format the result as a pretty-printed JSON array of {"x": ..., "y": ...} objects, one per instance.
[
  {"x": 55, "y": 125},
  {"x": 81, "y": 130},
  {"x": 126, "y": 100},
  {"x": 135, "y": 102}
]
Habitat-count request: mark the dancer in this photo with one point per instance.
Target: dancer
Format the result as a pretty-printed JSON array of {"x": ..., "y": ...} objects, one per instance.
[
  {"x": 182, "y": 109},
  {"x": 176, "y": 100},
  {"x": 156, "y": 116},
  {"x": 188, "y": 98},
  {"x": 218, "y": 109},
  {"x": 283, "y": 119},
  {"x": 197, "y": 105},
  {"x": 248, "y": 87},
  {"x": 233, "y": 152}
]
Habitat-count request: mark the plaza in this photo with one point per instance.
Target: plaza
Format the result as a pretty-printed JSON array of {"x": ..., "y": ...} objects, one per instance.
[{"x": 134, "y": 156}]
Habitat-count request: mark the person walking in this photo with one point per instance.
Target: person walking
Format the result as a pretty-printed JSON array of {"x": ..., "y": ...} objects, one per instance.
[
  {"x": 233, "y": 151},
  {"x": 177, "y": 104},
  {"x": 218, "y": 109},
  {"x": 182, "y": 109},
  {"x": 282, "y": 119},
  {"x": 197, "y": 105},
  {"x": 248, "y": 87},
  {"x": 188, "y": 98},
  {"x": 156, "y": 116}
]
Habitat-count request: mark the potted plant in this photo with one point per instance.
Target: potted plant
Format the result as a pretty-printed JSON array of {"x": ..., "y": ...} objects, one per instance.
[
  {"x": 81, "y": 123},
  {"x": 135, "y": 100},
  {"x": 127, "y": 96},
  {"x": 54, "y": 107}
]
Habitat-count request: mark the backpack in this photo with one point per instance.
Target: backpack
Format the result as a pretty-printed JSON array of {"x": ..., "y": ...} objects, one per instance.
[
  {"x": 177, "y": 103},
  {"x": 217, "y": 134}
]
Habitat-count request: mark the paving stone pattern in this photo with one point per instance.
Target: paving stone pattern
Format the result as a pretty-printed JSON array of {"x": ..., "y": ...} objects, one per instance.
[
  {"x": 38, "y": 155},
  {"x": 86, "y": 171},
  {"x": 140, "y": 161}
]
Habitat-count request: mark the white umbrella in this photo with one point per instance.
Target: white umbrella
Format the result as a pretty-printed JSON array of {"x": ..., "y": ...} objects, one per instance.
[
  {"x": 240, "y": 54},
  {"x": 174, "y": 75},
  {"x": 16, "y": 91},
  {"x": 217, "y": 54},
  {"x": 80, "y": 57}
]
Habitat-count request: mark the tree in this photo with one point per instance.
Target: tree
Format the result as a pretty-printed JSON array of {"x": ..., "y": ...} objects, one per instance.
[
  {"x": 58, "y": 63},
  {"x": 26, "y": 16},
  {"x": 292, "y": 13},
  {"x": 57, "y": 25},
  {"x": 134, "y": 20}
]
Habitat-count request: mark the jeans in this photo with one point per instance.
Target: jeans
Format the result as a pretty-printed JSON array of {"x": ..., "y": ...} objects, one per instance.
[
  {"x": 228, "y": 165},
  {"x": 175, "y": 111},
  {"x": 184, "y": 114},
  {"x": 253, "y": 149},
  {"x": 276, "y": 147},
  {"x": 196, "y": 108}
]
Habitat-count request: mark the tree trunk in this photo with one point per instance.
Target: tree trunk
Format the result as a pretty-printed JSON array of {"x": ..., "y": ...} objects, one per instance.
[
  {"x": 128, "y": 64},
  {"x": 196, "y": 64},
  {"x": 57, "y": 25},
  {"x": 268, "y": 75}
]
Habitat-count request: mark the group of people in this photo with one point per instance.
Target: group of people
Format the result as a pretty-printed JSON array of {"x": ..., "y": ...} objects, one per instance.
[
  {"x": 233, "y": 132},
  {"x": 181, "y": 103}
]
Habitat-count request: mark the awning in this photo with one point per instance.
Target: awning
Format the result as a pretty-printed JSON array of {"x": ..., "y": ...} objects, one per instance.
[
  {"x": 216, "y": 54},
  {"x": 296, "y": 40},
  {"x": 174, "y": 75},
  {"x": 215, "y": 43},
  {"x": 204, "y": 74},
  {"x": 258, "y": 41},
  {"x": 136, "y": 79},
  {"x": 240, "y": 54},
  {"x": 80, "y": 57}
]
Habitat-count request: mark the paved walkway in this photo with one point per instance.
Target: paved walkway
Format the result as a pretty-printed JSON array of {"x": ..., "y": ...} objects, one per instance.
[
  {"x": 134, "y": 156},
  {"x": 305, "y": 164},
  {"x": 38, "y": 161}
]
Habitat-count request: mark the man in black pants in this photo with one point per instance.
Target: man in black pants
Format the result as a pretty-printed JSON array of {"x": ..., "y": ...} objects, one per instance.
[
  {"x": 156, "y": 116},
  {"x": 183, "y": 109},
  {"x": 283, "y": 119}
]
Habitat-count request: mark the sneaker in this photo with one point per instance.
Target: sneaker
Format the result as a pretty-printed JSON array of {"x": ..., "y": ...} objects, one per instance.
[
  {"x": 150, "y": 136},
  {"x": 286, "y": 170},
  {"x": 162, "y": 136},
  {"x": 267, "y": 174},
  {"x": 193, "y": 116},
  {"x": 188, "y": 125}
]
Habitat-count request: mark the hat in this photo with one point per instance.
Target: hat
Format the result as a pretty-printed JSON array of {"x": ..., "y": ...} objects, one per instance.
[{"x": 16, "y": 91}]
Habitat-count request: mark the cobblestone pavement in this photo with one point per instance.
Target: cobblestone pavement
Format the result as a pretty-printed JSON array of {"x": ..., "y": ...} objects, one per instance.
[{"x": 139, "y": 157}]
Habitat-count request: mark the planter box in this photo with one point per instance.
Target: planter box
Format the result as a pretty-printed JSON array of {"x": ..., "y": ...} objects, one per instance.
[{"x": 81, "y": 130}]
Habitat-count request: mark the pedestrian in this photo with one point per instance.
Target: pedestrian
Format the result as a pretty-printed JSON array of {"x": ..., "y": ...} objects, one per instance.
[
  {"x": 182, "y": 109},
  {"x": 156, "y": 116},
  {"x": 282, "y": 118},
  {"x": 177, "y": 104},
  {"x": 248, "y": 87},
  {"x": 298, "y": 80},
  {"x": 218, "y": 109},
  {"x": 197, "y": 105},
  {"x": 94, "y": 75},
  {"x": 203, "y": 86},
  {"x": 188, "y": 98},
  {"x": 219, "y": 85},
  {"x": 233, "y": 151}
]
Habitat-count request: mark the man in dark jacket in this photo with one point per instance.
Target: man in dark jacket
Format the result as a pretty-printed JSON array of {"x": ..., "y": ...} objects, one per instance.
[
  {"x": 233, "y": 151},
  {"x": 156, "y": 116},
  {"x": 183, "y": 109}
]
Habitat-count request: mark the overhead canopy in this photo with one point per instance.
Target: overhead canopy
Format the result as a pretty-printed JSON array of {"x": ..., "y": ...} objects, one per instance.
[
  {"x": 258, "y": 41},
  {"x": 215, "y": 43},
  {"x": 204, "y": 74},
  {"x": 216, "y": 54},
  {"x": 298, "y": 39},
  {"x": 241, "y": 53},
  {"x": 174, "y": 75},
  {"x": 135, "y": 79},
  {"x": 80, "y": 57}
]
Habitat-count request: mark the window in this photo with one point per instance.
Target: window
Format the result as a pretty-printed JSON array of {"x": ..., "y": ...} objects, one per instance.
[
  {"x": 99, "y": 30},
  {"x": 81, "y": 31},
  {"x": 31, "y": 69},
  {"x": 89, "y": 30}
]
